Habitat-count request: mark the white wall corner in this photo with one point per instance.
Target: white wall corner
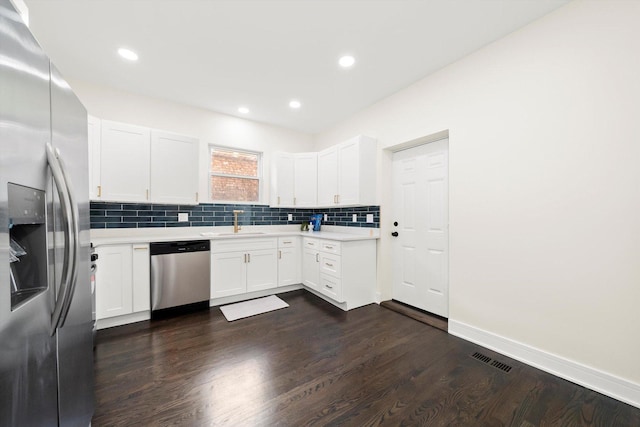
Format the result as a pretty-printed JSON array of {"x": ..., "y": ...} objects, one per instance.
[{"x": 602, "y": 382}]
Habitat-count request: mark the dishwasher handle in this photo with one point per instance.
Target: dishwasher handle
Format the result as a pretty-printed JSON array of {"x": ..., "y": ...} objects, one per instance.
[{"x": 162, "y": 248}]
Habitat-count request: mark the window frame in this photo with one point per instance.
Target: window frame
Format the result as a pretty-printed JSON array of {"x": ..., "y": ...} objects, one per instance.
[{"x": 259, "y": 177}]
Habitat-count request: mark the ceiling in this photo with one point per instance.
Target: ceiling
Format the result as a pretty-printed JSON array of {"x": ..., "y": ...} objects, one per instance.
[{"x": 223, "y": 54}]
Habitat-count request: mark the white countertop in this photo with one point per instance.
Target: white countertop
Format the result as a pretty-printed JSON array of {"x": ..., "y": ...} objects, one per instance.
[{"x": 100, "y": 237}]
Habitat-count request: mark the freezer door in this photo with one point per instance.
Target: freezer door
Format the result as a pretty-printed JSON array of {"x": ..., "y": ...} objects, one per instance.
[
  {"x": 28, "y": 392},
  {"x": 75, "y": 334}
]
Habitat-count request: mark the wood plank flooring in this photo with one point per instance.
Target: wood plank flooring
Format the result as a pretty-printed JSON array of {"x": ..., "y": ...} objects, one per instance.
[{"x": 314, "y": 365}]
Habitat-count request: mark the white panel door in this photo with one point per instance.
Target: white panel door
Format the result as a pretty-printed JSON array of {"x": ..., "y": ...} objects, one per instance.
[
  {"x": 228, "y": 274},
  {"x": 141, "y": 276},
  {"x": 262, "y": 270},
  {"x": 283, "y": 176},
  {"x": 174, "y": 168},
  {"x": 288, "y": 266},
  {"x": 114, "y": 291},
  {"x": 306, "y": 180},
  {"x": 124, "y": 156},
  {"x": 328, "y": 177},
  {"x": 93, "y": 125},
  {"x": 421, "y": 210}
]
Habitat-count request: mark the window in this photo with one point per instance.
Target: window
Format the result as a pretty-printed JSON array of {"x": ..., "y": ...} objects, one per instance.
[{"x": 234, "y": 175}]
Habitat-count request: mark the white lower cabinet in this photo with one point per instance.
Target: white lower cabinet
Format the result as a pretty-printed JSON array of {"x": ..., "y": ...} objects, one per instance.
[
  {"x": 122, "y": 280},
  {"x": 243, "y": 265},
  {"x": 344, "y": 272},
  {"x": 289, "y": 269},
  {"x": 310, "y": 263}
]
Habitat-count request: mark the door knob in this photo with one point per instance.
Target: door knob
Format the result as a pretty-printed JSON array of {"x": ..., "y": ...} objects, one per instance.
[{"x": 394, "y": 234}]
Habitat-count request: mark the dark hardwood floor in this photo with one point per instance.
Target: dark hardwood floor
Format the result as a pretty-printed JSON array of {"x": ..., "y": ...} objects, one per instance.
[{"x": 313, "y": 364}]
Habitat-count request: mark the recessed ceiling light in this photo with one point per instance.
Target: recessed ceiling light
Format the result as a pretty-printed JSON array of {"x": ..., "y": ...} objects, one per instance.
[
  {"x": 347, "y": 61},
  {"x": 128, "y": 54},
  {"x": 243, "y": 110},
  {"x": 294, "y": 103}
]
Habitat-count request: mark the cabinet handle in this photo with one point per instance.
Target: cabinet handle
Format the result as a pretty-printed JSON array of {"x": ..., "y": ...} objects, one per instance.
[
  {"x": 147, "y": 194},
  {"x": 294, "y": 201},
  {"x": 329, "y": 286},
  {"x": 334, "y": 199},
  {"x": 286, "y": 242},
  {"x": 328, "y": 264},
  {"x": 278, "y": 199},
  {"x": 328, "y": 246},
  {"x": 279, "y": 254},
  {"x": 99, "y": 190},
  {"x": 196, "y": 197},
  {"x": 248, "y": 257},
  {"x": 338, "y": 198},
  {"x": 140, "y": 248},
  {"x": 317, "y": 260},
  {"x": 245, "y": 258}
]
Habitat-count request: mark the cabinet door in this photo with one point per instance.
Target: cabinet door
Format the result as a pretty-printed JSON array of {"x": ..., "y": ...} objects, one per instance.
[
  {"x": 349, "y": 172},
  {"x": 310, "y": 268},
  {"x": 282, "y": 176},
  {"x": 141, "y": 278},
  {"x": 93, "y": 124},
  {"x": 262, "y": 270},
  {"x": 288, "y": 266},
  {"x": 228, "y": 274},
  {"x": 114, "y": 295},
  {"x": 328, "y": 177},
  {"x": 306, "y": 180},
  {"x": 124, "y": 156},
  {"x": 174, "y": 168}
]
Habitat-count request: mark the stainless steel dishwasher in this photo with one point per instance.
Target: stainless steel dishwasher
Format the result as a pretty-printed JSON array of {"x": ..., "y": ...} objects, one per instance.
[{"x": 180, "y": 274}]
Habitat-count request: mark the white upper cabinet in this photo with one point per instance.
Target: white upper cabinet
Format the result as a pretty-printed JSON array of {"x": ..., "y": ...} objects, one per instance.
[
  {"x": 94, "y": 157},
  {"x": 328, "y": 176},
  {"x": 306, "y": 180},
  {"x": 294, "y": 180},
  {"x": 174, "y": 168},
  {"x": 347, "y": 173},
  {"x": 282, "y": 178},
  {"x": 136, "y": 164},
  {"x": 124, "y": 158}
]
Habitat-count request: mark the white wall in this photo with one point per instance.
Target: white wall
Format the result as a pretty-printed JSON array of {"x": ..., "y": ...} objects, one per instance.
[
  {"x": 209, "y": 127},
  {"x": 544, "y": 131}
]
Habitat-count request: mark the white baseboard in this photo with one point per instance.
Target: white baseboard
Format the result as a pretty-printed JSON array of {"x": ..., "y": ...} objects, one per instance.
[{"x": 602, "y": 382}]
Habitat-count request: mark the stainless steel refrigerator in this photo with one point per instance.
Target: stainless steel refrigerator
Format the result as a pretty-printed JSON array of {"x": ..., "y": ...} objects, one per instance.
[{"x": 46, "y": 351}]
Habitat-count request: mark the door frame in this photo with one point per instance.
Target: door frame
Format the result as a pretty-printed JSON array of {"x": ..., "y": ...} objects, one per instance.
[{"x": 385, "y": 254}]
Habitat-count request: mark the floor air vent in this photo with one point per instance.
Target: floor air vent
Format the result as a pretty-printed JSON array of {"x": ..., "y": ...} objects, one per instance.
[
  {"x": 501, "y": 366},
  {"x": 481, "y": 357},
  {"x": 486, "y": 359}
]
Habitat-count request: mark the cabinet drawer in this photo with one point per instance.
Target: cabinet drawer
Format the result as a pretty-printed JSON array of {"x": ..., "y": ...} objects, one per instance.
[
  {"x": 330, "y": 264},
  {"x": 310, "y": 243},
  {"x": 239, "y": 244},
  {"x": 331, "y": 287},
  {"x": 288, "y": 242},
  {"x": 330, "y": 246}
]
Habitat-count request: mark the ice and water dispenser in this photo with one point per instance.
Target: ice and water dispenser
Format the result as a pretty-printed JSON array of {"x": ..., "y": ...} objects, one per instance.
[{"x": 28, "y": 243}]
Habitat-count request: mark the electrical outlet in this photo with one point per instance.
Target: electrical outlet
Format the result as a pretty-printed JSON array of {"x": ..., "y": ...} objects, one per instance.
[
  {"x": 369, "y": 218},
  {"x": 183, "y": 217},
  {"x": 355, "y": 218},
  {"x": 290, "y": 217}
]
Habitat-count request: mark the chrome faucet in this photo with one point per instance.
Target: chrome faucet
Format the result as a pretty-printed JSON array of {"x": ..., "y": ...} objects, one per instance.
[{"x": 236, "y": 227}]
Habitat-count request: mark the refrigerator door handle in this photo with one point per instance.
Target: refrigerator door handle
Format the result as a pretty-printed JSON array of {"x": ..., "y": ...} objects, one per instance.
[{"x": 71, "y": 239}]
